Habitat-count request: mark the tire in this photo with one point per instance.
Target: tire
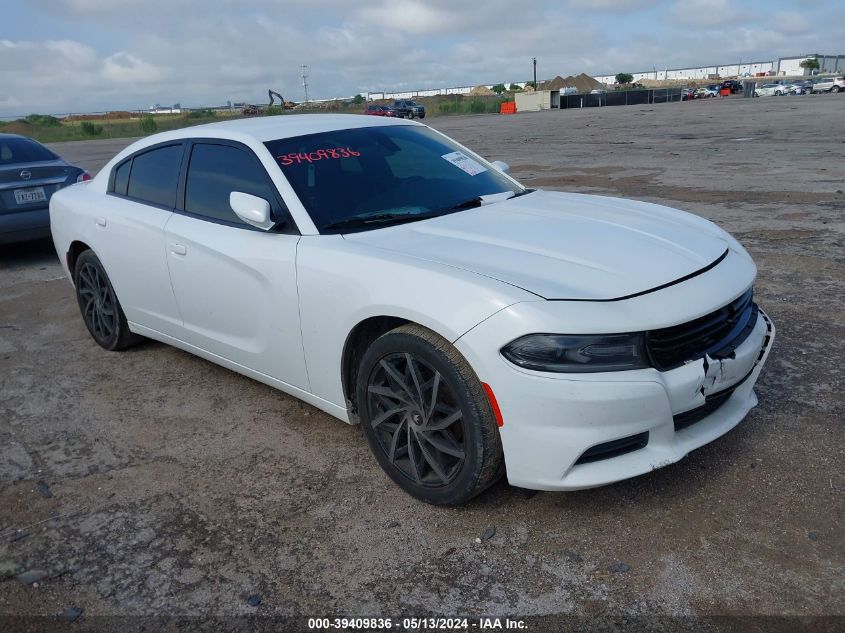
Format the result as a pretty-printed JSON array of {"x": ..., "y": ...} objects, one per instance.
[
  {"x": 835, "y": 89},
  {"x": 98, "y": 304},
  {"x": 422, "y": 116},
  {"x": 444, "y": 454}
]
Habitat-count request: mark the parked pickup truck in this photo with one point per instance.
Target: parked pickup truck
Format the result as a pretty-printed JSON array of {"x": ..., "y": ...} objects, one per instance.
[
  {"x": 409, "y": 109},
  {"x": 829, "y": 84}
]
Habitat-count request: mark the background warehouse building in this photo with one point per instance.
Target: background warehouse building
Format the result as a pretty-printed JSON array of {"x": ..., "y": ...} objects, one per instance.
[
  {"x": 827, "y": 64},
  {"x": 784, "y": 66}
]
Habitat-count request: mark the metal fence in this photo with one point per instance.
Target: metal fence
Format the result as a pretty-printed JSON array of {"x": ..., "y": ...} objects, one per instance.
[{"x": 621, "y": 97}]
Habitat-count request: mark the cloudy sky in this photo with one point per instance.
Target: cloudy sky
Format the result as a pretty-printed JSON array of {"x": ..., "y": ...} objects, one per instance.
[{"x": 85, "y": 55}]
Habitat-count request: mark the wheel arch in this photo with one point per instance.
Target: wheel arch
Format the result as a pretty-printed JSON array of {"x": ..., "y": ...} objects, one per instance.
[
  {"x": 357, "y": 342},
  {"x": 76, "y": 248}
]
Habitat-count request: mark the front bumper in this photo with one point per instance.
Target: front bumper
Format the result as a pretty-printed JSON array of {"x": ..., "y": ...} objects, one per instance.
[{"x": 552, "y": 420}]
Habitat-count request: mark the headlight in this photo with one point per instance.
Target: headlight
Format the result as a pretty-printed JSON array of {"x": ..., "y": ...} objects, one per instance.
[{"x": 576, "y": 353}]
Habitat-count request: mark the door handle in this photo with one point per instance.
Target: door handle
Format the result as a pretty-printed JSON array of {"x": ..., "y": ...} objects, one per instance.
[
  {"x": 178, "y": 249},
  {"x": 100, "y": 221}
]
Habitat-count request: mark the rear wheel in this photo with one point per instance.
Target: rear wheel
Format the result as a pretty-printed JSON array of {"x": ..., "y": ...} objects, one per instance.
[
  {"x": 426, "y": 417},
  {"x": 101, "y": 311},
  {"x": 835, "y": 89}
]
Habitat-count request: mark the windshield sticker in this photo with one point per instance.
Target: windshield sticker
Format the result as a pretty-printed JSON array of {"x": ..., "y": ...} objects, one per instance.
[
  {"x": 465, "y": 163},
  {"x": 297, "y": 158}
]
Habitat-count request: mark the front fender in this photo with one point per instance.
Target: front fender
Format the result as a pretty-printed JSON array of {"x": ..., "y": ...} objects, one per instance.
[{"x": 342, "y": 283}]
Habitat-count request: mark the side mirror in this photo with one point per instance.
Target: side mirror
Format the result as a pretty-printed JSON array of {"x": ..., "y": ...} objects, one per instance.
[
  {"x": 502, "y": 167},
  {"x": 251, "y": 209}
]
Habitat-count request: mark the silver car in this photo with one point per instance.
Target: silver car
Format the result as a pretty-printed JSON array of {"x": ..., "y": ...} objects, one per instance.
[{"x": 29, "y": 175}]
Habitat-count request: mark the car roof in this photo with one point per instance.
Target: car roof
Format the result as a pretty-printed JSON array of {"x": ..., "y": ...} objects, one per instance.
[
  {"x": 269, "y": 128},
  {"x": 262, "y": 129}
]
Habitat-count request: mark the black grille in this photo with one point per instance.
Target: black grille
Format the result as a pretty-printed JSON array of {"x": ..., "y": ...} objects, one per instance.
[
  {"x": 614, "y": 448},
  {"x": 711, "y": 404},
  {"x": 724, "y": 329}
]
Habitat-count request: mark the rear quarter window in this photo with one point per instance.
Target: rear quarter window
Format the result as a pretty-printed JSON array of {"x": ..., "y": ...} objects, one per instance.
[
  {"x": 154, "y": 176},
  {"x": 121, "y": 177}
]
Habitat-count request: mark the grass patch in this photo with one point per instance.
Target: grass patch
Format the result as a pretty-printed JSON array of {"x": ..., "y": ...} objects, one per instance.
[
  {"x": 148, "y": 125},
  {"x": 49, "y": 129},
  {"x": 201, "y": 114},
  {"x": 467, "y": 105},
  {"x": 91, "y": 129}
]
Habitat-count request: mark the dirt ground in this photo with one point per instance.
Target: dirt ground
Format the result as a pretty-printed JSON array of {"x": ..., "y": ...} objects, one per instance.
[{"x": 154, "y": 482}]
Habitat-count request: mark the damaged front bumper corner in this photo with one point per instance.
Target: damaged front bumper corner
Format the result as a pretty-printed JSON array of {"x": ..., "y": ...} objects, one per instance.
[{"x": 551, "y": 423}]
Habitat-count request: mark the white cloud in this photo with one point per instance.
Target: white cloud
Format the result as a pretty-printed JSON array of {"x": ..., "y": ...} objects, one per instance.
[
  {"x": 410, "y": 16},
  {"x": 123, "y": 67},
  {"x": 125, "y": 54},
  {"x": 58, "y": 55},
  {"x": 705, "y": 13},
  {"x": 791, "y": 23},
  {"x": 611, "y": 5}
]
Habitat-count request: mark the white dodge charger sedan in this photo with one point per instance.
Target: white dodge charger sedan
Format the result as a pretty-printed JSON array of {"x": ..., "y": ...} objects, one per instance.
[{"x": 387, "y": 275}]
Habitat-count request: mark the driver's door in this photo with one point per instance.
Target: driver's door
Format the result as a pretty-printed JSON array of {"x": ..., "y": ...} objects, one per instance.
[{"x": 235, "y": 284}]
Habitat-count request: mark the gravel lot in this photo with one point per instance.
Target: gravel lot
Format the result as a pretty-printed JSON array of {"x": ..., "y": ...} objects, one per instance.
[{"x": 153, "y": 482}]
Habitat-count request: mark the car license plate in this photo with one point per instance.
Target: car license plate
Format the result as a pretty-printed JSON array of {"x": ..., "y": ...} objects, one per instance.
[{"x": 28, "y": 196}]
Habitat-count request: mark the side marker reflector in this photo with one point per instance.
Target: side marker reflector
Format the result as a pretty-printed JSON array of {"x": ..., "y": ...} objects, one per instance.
[{"x": 497, "y": 412}]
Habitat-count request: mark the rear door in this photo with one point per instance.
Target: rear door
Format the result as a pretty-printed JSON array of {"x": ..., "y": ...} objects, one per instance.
[
  {"x": 235, "y": 284},
  {"x": 142, "y": 195}
]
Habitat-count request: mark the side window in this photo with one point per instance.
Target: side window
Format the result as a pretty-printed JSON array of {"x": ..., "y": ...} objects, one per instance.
[
  {"x": 121, "y": 177},
  {"x": 214, "y": 172},
  {"x": 154, "y": 176}
]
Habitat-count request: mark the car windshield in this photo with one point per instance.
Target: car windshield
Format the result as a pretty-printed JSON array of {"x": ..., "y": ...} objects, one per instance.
[
  {"x": 362, "y": 178},
  {"x": 22, "y": 150}
]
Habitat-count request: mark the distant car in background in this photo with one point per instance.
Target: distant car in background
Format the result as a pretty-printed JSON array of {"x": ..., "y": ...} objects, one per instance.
[
  {"x": 733, "y": 85},
  {"x": 381, "y": 110},
  {"x": 806, "y": 85},
  {"x": 770, "y": 90},
  {"x": 705, "y": 93},
  {"x": 29, "y": 175},
  {"x": 829, "y": 84},
  {"x": 687, "y": 94},
  {"x": 409, "y": 109}
]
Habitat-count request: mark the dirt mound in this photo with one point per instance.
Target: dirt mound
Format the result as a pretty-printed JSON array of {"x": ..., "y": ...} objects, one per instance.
[
  {"x": 17, "y": 127},
  {"x": 481, "y": 91},
  {"x": 116, "y": 114},
  {"x": 583, "y": 83},
  {"x": 554, "y": 84}
]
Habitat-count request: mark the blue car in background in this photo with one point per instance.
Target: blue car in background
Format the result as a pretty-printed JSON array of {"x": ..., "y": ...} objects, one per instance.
[{"x": 29, "y": 175}]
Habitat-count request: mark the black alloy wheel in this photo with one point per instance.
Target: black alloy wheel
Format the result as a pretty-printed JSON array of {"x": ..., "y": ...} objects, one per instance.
[
  {"x": 426, "y": 417},
  {"x": 101, "y": 311},
  {"x": 417, "y": 420}
]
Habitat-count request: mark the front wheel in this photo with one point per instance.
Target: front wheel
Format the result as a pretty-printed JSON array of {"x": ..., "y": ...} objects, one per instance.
[
  {"x": 426, "y": 417},
  {"x": 101, "y": 311}
]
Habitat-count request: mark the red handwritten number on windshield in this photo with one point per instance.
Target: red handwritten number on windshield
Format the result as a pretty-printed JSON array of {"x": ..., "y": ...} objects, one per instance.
[{"x": 312, "y": 157}]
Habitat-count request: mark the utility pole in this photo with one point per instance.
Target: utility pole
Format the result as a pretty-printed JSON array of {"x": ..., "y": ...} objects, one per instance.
[
  {"x": 536, "y": 87},
  {"x": 305, "y": 81}
]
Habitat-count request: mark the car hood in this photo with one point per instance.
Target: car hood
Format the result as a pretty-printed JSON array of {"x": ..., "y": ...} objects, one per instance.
[{"x": 563, "y": 245}]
